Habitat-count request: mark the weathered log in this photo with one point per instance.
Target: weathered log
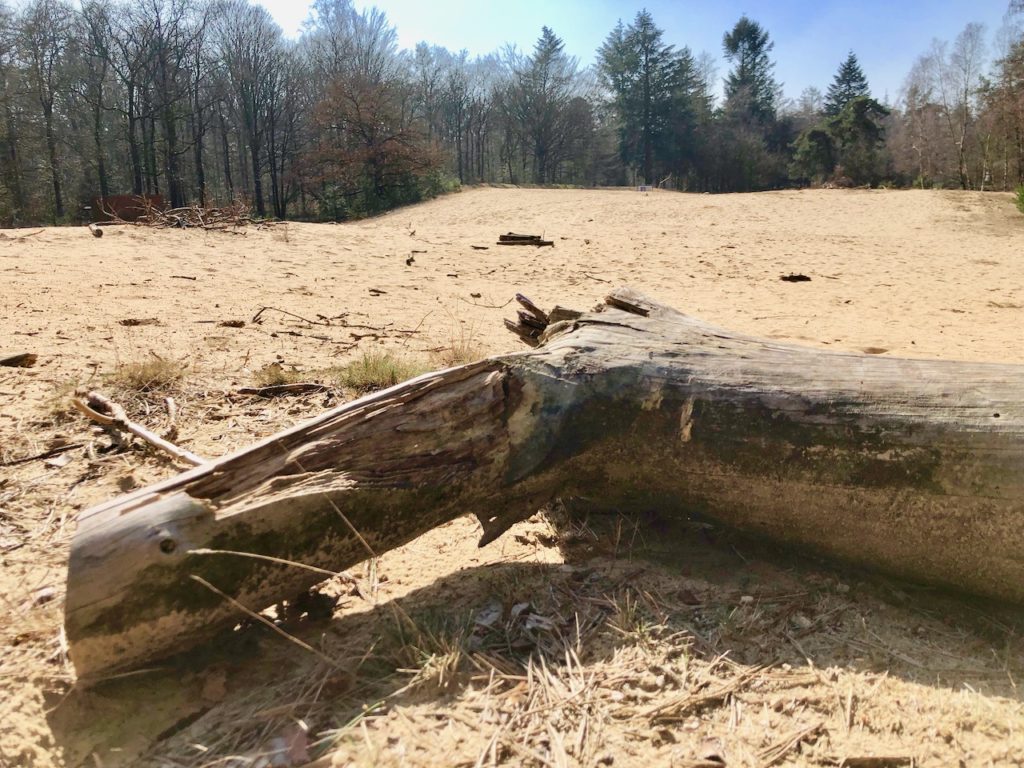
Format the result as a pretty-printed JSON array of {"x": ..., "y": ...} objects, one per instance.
[
  {"x": 513, "y": 239},
  {"x": 912, "y": 467}
]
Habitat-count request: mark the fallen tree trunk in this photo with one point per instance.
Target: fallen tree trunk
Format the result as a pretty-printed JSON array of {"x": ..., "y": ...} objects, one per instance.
[{"x": 912, "y": 467}]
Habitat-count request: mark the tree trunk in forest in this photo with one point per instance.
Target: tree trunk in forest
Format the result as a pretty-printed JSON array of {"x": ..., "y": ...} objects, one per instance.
[
  {"x": 133, "y": 147},
  {"x": 97, "y": 138},
  {"x": 226, "y": 147},
  {"x": 911, "y": 467},
  {"x": 14, "y": 179},
  {"x": 149, "y": 147},
  {"x": 257, "y": 179},
  {"x": 51, "y": 150},
  {"x": 172, "y": 165},
  {"x": 198, "y": 137},
  {"x": 272, "y": 165},
  {"x": 282, "y": 180}
]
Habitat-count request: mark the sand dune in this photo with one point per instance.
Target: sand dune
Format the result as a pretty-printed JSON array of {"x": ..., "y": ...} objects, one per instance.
[{"x": 921, "y": 274}]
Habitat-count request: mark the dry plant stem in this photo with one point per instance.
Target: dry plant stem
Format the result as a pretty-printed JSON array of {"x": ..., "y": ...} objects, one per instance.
[
  {"x": 907, "y": 466},
  {"x": 266, "y": 622},
  {"x": 56, "y": 451},
  {"x": 778, "y": 751},
  {"x": 117, "y": 419},
  {"x": 256, "y": 318}
]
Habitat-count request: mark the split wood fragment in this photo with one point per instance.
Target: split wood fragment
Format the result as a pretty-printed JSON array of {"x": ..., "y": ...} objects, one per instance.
[{"x": 23, "y": 360}]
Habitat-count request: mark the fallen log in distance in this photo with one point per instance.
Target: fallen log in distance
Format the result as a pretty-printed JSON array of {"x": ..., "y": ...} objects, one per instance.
[{"x": 910, "y": 467}]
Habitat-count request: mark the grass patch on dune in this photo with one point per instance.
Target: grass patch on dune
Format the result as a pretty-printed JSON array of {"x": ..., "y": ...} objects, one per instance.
[
  {"x": 372, "y": 371},
  {"x": 146, "y": 376},
  {"x": 462, "y": 348},
  {"x": 1020, "y": 198},
  {"x": 375, "y": 370}
]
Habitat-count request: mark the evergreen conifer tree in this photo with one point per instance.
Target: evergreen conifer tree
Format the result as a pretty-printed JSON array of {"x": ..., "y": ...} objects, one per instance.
[
  {"x": 750, "y": 82},
  {"x": 654, "y": 86},
  {"x": 848, "y": 84}
]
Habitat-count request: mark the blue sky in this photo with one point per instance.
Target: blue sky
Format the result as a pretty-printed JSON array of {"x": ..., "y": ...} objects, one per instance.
[{"x": 811, "y": 38}]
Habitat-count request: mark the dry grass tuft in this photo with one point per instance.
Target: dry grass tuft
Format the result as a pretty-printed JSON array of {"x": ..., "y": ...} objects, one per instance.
[
  {"x": 431, "y": 648},
  {"x": 375, "y": 370},
  {"x": 463, "y": 347},
  {"x": 148, "y": 376}
]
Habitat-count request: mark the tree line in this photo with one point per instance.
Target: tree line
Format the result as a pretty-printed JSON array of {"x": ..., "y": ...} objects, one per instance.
[{"x": 207, "y": 102}]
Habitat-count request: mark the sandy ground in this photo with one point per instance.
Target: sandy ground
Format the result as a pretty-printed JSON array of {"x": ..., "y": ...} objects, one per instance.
[{"x": 817, "y": 667}]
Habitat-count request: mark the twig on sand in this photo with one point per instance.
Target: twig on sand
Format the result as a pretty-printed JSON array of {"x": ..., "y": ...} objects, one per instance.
[
  {"x": 258, "y": 315},
  {"x": 346, "y": 577},
  {"x": 486, "y": 306},
  {"x": 109, "y": 414},
  {"x": 41, "y": 456},
  {"x": 676, "y": 710},
  {"x": 277, "y": 390},
  {"x": 172, "y": 418},
  {"x": 597, "y": 279},
  {"x": 266, "y": 622},
  {"x": 777, "y": 751}
]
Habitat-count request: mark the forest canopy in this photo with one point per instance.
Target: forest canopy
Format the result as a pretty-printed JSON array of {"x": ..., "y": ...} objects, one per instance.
[{"x": 208, "y": 102}]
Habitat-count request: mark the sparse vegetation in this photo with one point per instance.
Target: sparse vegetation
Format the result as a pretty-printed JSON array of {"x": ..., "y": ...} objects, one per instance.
[
  {"x": 58, "y": 404},
  {"x": 431, "y": 648},
  {"x": 274, "y": 374},
  {"x": 375, "y": 370},
  {"x": 146, "y": 376},
  {"x": 1020, "y": 198},
  {"x": 462, "y": 348}
]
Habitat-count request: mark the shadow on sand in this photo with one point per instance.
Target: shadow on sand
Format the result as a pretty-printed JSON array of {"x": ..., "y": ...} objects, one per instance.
[{"x": 691, "y": 589}]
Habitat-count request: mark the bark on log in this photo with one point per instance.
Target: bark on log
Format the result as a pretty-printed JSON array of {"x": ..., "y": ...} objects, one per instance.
[{"x": 912, "y": 467}]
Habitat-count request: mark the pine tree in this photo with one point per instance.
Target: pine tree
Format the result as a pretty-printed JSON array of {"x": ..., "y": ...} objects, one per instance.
[
  {"x": 653, "y": 86},
  {"x": 848, "y": 84},
  {"x": 750, "y": 85}
]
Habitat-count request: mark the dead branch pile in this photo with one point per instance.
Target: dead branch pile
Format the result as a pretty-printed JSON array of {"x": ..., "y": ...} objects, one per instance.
[{"x": 234, "y": 216}]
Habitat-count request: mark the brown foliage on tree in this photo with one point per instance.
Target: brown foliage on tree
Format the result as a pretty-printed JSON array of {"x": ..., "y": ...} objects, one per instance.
[{"x": 371, "y": 154}]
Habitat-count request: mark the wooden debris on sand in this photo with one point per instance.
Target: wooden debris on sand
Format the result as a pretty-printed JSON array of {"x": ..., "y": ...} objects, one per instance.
[
  {"x": 227, "y": 218},
  {"x": 109, "y": 414},
  {"x": 23, "y": 360},
  {"x": 910, "y": 467},
  {"x": 280, "y": 390},
  {"x": 513, "y": 239}
]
